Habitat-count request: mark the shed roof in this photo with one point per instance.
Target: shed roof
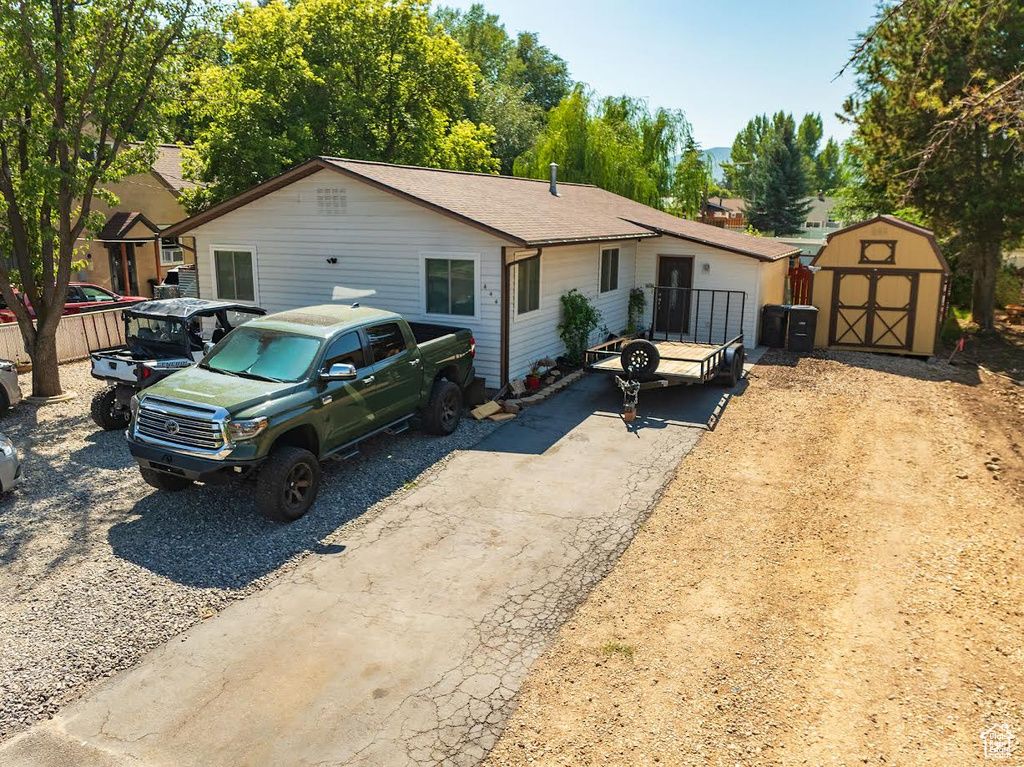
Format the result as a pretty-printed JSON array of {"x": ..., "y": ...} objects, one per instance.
[
  {"x": 897, "y": 222},
  {"x": 519, "y": 210}
]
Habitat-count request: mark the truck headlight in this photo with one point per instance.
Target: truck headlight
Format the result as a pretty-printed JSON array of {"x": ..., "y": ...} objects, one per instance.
[
  {"x": 246, "y": 429},
  {"x": 6, "y": 446},
  {"x": 133, "y": 405}
]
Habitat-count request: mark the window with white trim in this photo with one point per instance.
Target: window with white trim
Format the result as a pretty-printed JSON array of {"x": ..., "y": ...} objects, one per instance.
[
  {"x": 171, "y": 252},
  {"x": 235, "y": 278},
  {"x": 451, "y": 286},
  {"x": 528, "y": 285},
  {"x": 609, "y": 269}
]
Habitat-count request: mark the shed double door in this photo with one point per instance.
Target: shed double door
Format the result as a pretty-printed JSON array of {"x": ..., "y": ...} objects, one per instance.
[{"x": 873, "y": 309}]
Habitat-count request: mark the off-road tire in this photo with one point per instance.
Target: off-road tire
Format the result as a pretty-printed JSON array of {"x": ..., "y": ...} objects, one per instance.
[
  {"x": 445, "y": 408},
  {"x": 287, "y": 484},
  {"x": 105, "y": 412},
  {"x": 640, "y": 359},
  {"x": 166, "y": 482}
]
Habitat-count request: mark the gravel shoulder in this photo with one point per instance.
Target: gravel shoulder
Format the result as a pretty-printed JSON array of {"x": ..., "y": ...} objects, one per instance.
[
  {"x": 834, "y": 577},
  {"x": 96, "y": 568}
]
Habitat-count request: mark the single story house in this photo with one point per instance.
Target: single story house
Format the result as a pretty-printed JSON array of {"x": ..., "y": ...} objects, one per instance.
[{"x": 492, "y": 253}]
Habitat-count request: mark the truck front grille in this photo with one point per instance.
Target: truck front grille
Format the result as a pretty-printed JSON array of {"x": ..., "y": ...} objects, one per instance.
[{"x": 179, "y": 424}]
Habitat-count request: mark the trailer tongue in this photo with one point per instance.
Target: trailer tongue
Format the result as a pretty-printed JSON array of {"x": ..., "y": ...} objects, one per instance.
[{"x": 696, "y": 337}]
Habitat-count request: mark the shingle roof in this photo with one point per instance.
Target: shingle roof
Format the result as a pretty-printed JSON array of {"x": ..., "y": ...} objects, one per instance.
[
  {"x": 119, "y": 225},
  {"x": 168, "y": 166},
  {"x": 520, "y": 210}
]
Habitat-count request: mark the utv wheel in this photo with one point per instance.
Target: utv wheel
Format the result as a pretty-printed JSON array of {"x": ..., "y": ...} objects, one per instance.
[
  {"x": 640, "y": 359},
  {"x": 106, "y": 412},
  {"x": 445, "y": 408},
  {"x": 166, "y": 482},
  {"x": 287, "y": 484}
]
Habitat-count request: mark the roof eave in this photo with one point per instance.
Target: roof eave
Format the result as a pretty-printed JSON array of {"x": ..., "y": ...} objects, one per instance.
[
  {"x": 730, "y": 249},
  {"x": 552, "y": 243}
]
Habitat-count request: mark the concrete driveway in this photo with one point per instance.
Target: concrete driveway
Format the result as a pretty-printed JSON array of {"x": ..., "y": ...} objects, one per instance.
[{"x": 407, "y": 646}]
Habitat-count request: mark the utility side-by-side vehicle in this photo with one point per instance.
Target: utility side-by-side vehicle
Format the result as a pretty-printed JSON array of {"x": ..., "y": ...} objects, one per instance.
[{"x": 161, "y": 337}]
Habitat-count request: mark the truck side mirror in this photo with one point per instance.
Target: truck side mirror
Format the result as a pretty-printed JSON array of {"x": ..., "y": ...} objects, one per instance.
[
  {"x": 208, "y": 346},
  {"x": 339, "y": 371}
]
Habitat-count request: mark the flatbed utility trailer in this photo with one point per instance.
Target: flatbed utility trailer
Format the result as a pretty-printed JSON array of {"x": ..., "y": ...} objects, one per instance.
[{"x": 684, "y": 346}]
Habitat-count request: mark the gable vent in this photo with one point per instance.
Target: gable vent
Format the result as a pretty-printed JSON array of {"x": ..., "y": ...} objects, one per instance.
[{"x": 331, "y": 202}]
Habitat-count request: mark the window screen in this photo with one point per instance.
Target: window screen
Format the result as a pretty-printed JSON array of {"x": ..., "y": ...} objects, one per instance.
[
  {"x": 609, "y": 269},
  {"x": 528, "y": 285},
  {"x": 234, "y": 275}
]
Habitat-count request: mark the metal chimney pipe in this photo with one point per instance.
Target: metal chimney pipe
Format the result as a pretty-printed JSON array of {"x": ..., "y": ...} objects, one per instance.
[{"x": 554, "y": 179}]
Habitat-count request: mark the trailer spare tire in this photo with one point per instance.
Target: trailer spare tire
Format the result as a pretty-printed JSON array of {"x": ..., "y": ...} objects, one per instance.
[{"x": 640, "y": 358}]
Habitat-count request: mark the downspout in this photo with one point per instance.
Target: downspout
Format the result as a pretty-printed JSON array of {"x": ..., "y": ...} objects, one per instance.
[{"x": 506, "y": 314}]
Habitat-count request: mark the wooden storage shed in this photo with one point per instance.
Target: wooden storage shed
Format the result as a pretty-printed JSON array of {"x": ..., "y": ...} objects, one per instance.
[{"x": 881, "y": 287}]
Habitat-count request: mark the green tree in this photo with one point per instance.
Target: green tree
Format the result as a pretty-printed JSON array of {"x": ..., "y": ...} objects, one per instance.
[
  {"x": 518, "y": 81},
  {"x": 938, "y": 115},
  {"x": 617, "y": 144},
  {"x": 370, "y": 79},
  {"x": 827, "y": 168},
  {"x": 79, "y": 83},
  {"x": 746, "y": 149},
  {"x": 691, "y": 182},
  {"x": 777, "y": 186}
]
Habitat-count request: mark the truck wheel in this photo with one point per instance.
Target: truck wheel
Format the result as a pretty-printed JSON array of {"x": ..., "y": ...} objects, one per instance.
[
  {"x": 445, "y": 408},
  {"x": 106, "y": 412},
  {"x": 287, "y": 484},
  {"x": 166, "y": 482},
  {"x": 640, "y": 358}
]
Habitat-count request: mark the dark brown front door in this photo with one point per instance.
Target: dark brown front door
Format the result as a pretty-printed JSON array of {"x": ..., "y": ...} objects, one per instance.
[
  {"x": 873, "y": 309},
  {"x": 672, "y": 305}
]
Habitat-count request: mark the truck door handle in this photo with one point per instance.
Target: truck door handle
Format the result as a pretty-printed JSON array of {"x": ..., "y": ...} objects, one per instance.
[
  {"x": 368, "y": 380},
  {"x": 414, "y": 362}
]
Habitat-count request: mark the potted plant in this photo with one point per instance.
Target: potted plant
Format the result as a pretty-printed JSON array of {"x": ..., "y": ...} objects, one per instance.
[{"x": 533, "y": 378}]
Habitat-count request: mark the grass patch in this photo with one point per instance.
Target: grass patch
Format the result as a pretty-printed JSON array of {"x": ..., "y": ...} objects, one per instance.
[{"x": 618, "y": 648}]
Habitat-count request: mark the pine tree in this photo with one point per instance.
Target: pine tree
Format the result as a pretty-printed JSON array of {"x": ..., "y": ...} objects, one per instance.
[{"x": 777, "y": 187}]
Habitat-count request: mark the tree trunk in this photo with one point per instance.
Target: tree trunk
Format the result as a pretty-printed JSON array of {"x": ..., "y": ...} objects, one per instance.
[
  {"x": 987, "y": 260},
  {"x": 45, "y": 373}
]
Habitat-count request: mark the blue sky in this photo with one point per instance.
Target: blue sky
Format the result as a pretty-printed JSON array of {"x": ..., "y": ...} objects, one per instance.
[{"x": 721, "y": 63}]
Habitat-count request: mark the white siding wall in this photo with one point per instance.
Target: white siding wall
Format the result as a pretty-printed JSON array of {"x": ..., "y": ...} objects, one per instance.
[
  {"x": 728, "y": 271},
  {"x": 379, "y": 241},
  {"x": 534, "y": 335}
]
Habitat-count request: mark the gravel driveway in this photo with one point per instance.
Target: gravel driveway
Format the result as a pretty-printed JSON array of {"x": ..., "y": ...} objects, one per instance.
[{"x": 97, "y": 568}]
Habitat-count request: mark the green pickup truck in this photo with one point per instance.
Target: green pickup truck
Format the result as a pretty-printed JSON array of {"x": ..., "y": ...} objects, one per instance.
[{"x": 286, "y": 391}]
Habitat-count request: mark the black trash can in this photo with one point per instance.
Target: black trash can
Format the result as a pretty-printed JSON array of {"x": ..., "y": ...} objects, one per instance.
[
  {"x": 773, "y": 325},
  {"x": 802, "y": 322}
]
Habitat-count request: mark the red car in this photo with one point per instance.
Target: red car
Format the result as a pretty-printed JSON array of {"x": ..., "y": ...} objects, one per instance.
[{"x": 82, "y": 297}]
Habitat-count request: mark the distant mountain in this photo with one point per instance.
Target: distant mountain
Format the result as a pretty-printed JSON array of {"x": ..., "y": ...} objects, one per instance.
[{"x": 717, "y": 155}]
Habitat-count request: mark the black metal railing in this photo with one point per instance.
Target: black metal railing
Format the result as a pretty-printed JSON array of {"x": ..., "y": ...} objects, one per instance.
[{"x": 700, "y": 315}]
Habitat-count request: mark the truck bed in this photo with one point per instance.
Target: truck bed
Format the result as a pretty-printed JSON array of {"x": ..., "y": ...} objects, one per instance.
[{"x": 426, "y": 331}]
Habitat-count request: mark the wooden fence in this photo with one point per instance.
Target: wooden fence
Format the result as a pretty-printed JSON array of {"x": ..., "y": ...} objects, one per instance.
[{"x": 77, "y": 336}]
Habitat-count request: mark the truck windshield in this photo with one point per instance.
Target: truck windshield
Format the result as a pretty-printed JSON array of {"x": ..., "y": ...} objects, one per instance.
[{"x": 272, "y": 355}]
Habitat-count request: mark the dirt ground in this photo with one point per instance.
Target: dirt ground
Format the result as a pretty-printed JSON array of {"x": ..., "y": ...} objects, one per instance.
[{"x": 834, "y": 577}]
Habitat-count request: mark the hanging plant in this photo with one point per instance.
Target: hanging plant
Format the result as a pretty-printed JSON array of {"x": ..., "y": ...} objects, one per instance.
[{"x": 579, "y": 319}]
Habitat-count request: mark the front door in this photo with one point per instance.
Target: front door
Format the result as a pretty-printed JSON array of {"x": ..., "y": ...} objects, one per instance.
[
  {"x": 873, "y": 309},
  {"x": 672, "y": 303},
  {"x": 123, "y": 278}
]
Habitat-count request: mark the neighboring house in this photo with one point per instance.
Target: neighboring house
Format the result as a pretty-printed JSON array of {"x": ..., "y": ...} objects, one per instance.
[
  {"x": 725, "y": 212},
  {"x": 492, "y": 253},
  {"x": 125, "y": 255},
  {"x": 819, "y": 223}
]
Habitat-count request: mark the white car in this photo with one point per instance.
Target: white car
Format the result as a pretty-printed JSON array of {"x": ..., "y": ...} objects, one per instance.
[{"x": 10, "y": 392}]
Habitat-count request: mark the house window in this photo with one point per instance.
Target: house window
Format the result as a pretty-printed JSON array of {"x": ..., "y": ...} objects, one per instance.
[
  {"x": 609, "y": 269},
  {"x": 813, "y": 224},
  {"x": 171, "y": 252},
  {"x": 451, "y": 286},
  {"x": 528, "y": 285},
  {"x": 235, "y": 278}
]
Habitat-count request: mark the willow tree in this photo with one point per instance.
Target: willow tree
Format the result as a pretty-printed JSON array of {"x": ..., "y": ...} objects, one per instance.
[
  {"x": 618, "y": 144},
  {"x": 79, "y": 81}
]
